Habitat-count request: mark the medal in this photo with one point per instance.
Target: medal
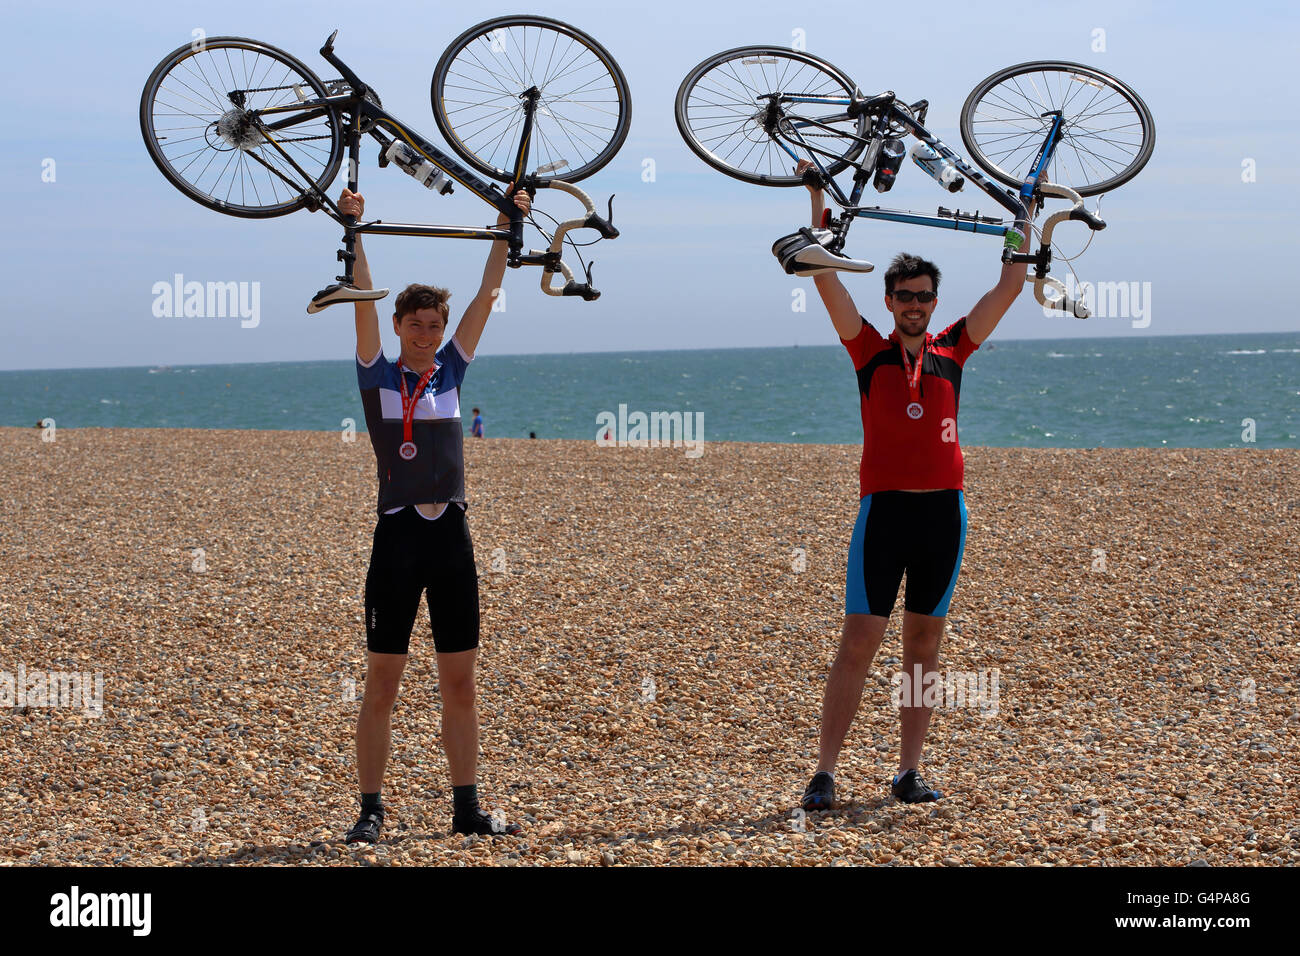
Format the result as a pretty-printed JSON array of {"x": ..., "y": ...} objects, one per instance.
[
  {"x": 913, "y": 375},
  {"x": 407, "y": 449}
]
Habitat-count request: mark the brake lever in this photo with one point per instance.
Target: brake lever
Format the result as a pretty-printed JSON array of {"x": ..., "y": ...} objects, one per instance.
[
  {"x": 583, "y": 289},
  {"x": 603, "y": 225},
  {"x": 590, "y": 294}
]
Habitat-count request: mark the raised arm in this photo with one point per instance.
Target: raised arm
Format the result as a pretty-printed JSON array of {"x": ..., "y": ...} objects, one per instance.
[
  {"x": 988, "y": 311},
  {"x": 476, "y": 314},
  {"x": 368, "y": 341},
  {"x": 844, "y": 314}
]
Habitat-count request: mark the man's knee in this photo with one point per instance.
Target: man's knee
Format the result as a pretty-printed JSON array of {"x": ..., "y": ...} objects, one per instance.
[
  {"x": 383, "y": 678},
  {"x": 921, "y": 636},
  {"x": 456, "y": 679},
  {"x": 381, "y": 696},
  {"x": 861, "y": 638},
  {"x": 458, "y": 691}
]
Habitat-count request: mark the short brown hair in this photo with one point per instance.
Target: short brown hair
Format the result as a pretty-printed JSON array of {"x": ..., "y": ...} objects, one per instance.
[
  {"x": 415, "y": 297},
  {"x": 908, "y": 266}
]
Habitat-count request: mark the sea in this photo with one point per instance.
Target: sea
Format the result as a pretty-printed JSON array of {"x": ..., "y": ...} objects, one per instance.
[{"x": 1203, "y": 391}]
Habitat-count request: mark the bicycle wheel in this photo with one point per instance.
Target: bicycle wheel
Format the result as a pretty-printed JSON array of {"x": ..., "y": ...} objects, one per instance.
[
  {"x": 199, "y": 117},
  {"x": 581, "y": 118},
  {"x": 1106, "y": 137},
  {"x": 723, "y": 113}
]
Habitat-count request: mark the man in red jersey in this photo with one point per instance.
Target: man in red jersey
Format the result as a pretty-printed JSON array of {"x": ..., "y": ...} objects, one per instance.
[{"x": 912, "y": 515}]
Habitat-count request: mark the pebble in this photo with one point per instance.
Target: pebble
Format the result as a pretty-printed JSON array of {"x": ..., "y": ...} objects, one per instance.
[{"x": 653, "y": 656}]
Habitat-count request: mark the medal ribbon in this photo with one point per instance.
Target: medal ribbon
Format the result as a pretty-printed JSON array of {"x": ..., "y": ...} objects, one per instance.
[
  {"x": 409, "y": 402},
  {"x": 913, "y": 373}
]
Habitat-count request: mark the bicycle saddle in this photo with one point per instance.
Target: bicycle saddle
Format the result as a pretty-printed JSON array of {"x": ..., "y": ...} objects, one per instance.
[
  {"x": 334, "y": 294},
  {"x": 803, "y": 253}
]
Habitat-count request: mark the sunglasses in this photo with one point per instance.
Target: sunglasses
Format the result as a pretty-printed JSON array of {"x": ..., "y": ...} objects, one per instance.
[{"x": 905, "y": 295}]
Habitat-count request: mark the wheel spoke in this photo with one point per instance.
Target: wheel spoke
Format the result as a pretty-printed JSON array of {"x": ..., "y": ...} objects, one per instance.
[
  {"x": 1104, "y": 130},
  {"x": 722, "y": 112},
  {"x": 215, "y": 150},
  {"x": 579, "y": 111}
]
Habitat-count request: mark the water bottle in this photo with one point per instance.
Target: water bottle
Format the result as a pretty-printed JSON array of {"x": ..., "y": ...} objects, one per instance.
[
  {"x": 940, "y": 168},
  {"x": 412, "y": 162},
  {"x": 887, "y": 163}
]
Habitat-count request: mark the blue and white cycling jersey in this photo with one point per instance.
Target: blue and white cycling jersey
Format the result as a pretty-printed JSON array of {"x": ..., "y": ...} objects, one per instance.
[{"x": 437, "y": 472}]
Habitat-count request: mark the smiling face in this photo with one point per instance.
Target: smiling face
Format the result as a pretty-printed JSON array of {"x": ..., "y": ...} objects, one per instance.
[
  {"x": 911, "y": 318},
  {"x": 421, "y": 333}
]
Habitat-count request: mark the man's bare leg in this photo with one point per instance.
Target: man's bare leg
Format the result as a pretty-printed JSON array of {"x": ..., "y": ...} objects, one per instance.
[
  {"x": 459, "y": 715},
  {"x": 921, "y": 636},
  {"x": 374, "y": 731},
  {"x": 858, "y": 645}
]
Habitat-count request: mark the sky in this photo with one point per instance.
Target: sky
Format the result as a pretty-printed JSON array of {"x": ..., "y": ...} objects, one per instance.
[{"x": 693, "y": 267}]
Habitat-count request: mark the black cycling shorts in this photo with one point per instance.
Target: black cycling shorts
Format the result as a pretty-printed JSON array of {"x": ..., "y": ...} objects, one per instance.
[
  {"x": 918, "y": 533},
  {"x": 412, "y": 556}
]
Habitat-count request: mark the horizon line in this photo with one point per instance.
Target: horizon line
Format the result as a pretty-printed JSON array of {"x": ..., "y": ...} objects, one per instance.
[{"x": 732, "y": 348}]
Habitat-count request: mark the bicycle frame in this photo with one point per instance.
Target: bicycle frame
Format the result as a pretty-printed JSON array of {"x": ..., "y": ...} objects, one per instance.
[
  {"x": 361, "y": 113},
  {"x": 889, "y": 114}
]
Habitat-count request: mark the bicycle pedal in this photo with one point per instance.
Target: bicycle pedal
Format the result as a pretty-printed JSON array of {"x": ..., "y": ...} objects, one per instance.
[{"x": 337, "y": 293}]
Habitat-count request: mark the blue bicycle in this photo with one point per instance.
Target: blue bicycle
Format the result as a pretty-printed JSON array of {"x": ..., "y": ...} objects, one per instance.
[{"x": 1047, "y": 128}]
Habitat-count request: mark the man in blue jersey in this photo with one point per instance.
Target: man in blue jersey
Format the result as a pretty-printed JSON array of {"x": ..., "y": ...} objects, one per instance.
[
  {"x": 422, "y": 543},
  {"x": 476, "y": 427}
]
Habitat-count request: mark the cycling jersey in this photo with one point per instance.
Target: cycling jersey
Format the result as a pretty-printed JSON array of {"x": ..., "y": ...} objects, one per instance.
[
  {"x": 436, "y": 471},
  {"x": 909, "y": 436}
]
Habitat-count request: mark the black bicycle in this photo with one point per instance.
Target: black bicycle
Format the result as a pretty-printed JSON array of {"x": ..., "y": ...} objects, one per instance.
[
  {"x": 248, "y": 130},
  {"x": 754, "y": 112}
]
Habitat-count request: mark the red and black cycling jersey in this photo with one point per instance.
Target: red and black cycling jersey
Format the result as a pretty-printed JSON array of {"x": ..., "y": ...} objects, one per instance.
[{"x": 909, "y": 440}]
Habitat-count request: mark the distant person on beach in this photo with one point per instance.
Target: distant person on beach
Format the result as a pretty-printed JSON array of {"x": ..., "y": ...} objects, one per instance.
[
  {"x": 422, "y": 542},
  {"x": 476, "y": 429},
  {"x": 912, "y": 513}
]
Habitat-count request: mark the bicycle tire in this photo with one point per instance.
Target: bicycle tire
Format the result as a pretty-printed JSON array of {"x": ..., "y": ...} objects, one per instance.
[
  {"x": 750, "y": 129},
  {"x": 555, "y": 138},
  {"x": 227, "y": 131},
  {"x": 1109, "y": 157}
]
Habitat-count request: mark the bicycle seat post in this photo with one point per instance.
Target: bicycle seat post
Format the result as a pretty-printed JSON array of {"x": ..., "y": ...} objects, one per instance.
[{"x": 347, "y": 255}]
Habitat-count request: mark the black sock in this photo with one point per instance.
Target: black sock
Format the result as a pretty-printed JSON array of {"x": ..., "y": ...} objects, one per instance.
[
  {"x": 370, "y": 801},
  {"x": 464, "y": 799}
]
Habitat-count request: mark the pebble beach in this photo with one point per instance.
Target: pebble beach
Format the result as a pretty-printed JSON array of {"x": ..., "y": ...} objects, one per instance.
[{"x": 656, "y": 631}]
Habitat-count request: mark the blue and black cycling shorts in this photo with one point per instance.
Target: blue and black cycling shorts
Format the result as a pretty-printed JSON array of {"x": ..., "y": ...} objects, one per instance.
[{"x": 920, "y": 534}]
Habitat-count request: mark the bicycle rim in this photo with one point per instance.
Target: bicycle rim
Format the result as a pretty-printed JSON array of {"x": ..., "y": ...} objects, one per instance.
[
  {"x": 1107, "y": 132},
  {"x": 582, "y": 115},
  {"x": 722, "y": 113},
  {"x": 200, "y": 114}
]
